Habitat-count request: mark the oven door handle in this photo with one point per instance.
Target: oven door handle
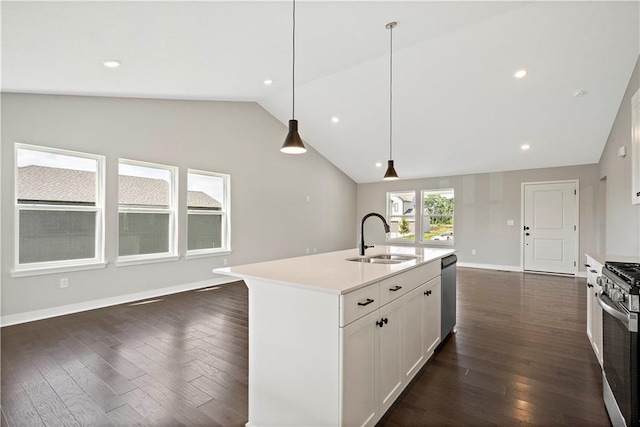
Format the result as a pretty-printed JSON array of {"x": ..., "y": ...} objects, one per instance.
[{"x": 607, "y": 305}]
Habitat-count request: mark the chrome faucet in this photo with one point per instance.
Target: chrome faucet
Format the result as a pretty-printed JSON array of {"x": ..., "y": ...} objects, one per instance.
[{"x": 364, "y": 218}]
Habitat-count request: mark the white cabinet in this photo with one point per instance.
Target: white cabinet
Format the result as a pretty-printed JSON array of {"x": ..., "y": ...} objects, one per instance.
[
  {"x": 431, "y": 316},
  {"x": 594, "y": 311},
  {"x": 383, "y": 350},
  {"x": 420, "y": 318},
  {"x": 390, "y": 375},
  {"x": 317, "y": 358},
  {"x": 359, "y": 362}
]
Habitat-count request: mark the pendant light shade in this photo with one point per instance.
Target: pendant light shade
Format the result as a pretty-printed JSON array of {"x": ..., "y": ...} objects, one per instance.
[
  {"x": 293, "y": 143},
  {"x": 391, "y": 173}
]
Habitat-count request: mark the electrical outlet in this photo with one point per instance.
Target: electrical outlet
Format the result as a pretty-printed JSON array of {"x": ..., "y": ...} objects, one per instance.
[
  {"x": 225, "y": 261},
  {"x": 473, "y": 251},
  {"x": 307, "y": 250},
  {"x": 64, "y": 283},
  {"x": 510, "y": 222},
  {"x": 315, "y": 250}
]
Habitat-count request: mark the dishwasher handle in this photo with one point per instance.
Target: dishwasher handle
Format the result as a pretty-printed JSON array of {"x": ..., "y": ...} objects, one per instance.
[{"x": 449, "y": 261}]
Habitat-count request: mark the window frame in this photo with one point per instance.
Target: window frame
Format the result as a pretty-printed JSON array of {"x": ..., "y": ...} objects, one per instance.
[
  {"x": 46, "y": 267},
  {"x": 399, "y": 240},
  {"x": 423, "y": 226},
  {"x": 225, "y": 213},
  {"x": 172, "y": 252}
]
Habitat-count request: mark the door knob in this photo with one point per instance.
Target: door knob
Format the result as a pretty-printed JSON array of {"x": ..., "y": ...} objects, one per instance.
[
  {"x": 526, "y": 234},
  {"x": 526, "y": 228}
]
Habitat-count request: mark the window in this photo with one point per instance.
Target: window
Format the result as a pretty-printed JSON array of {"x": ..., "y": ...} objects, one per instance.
[
  {"x": 59, "y": 208},
  {"x": 207, "y": 212},
  {"x": 401, "y": 206},
  {"x": 146, "y": 211},
  {"x": 437, "y": 217}
]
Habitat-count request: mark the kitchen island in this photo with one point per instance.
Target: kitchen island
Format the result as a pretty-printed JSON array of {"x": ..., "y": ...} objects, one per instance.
[{"x": 333, "y": 342}]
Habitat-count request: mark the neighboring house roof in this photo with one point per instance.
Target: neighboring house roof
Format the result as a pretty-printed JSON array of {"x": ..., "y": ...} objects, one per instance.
[{"x": 47, "y": 184}]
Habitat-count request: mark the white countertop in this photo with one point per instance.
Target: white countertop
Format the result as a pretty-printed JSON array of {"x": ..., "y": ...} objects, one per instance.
[
  {"x": 331, "y": 272},
  {"x": 602, "y": 258}
]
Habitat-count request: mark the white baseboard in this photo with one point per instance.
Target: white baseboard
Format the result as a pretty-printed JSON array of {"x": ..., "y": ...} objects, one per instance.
[
  {"x": 514, "y": 268},
  {"x": 30, "y": 316}
]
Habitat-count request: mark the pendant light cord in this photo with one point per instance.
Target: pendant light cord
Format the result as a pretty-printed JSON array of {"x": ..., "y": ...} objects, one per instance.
[
  {"x": 293, "y": 72},
  {"x": 391, "y": 93}
]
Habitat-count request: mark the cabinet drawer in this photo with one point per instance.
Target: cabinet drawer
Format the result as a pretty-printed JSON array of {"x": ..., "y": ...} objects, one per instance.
[
  {"x": 392, "y": 288},
  {"x": 422, "y": 274},
  {"x": 356, "y": 304}
]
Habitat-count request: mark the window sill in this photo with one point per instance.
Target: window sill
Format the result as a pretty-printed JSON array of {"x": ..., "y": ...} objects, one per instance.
[
  {"x": 438, "y": 243},
  {"x": 401, "y": 242},
  {"x": 59, "y": 269},
  {"x": 198, "y": 254},
  {"x": 125, "y": 262}
]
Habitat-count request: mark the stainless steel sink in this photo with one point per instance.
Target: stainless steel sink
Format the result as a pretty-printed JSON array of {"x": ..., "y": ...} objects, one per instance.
[
  {"x": 394, "y": 257},
  {"x": 383, "y": 259}
]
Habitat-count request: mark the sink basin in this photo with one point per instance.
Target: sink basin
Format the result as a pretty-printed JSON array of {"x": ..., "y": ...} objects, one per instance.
[
  {"x": 394, "y": 257},
  {"x": 370, "y": 260},
  {"x": 383, "y": 259}
]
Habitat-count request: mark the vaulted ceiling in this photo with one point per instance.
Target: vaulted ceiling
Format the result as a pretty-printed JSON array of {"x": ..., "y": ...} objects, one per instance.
[{"x": 457, "y": 107}]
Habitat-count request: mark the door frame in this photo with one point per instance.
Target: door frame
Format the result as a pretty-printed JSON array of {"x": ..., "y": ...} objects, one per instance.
[{"x": 576, "y": 268}]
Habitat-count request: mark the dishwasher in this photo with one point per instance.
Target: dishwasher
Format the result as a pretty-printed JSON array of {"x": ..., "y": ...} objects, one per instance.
[{"x": 448, "y": 307}]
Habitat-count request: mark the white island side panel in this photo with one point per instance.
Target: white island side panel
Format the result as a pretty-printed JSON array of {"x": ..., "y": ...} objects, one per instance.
[{"x": 293, "y": 356}]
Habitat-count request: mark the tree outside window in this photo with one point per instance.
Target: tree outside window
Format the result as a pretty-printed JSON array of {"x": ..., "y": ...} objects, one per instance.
[{"x": 437, "y": 218}]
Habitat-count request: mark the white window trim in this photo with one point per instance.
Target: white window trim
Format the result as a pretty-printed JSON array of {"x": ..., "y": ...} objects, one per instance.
[
  {"x": 38, "y": 268},
  {"x": 172, "y": 253},
  {"x": 423, "y": 193},
  {"x": 225, "y": 213},
  {"x": 401, "y": 241}
]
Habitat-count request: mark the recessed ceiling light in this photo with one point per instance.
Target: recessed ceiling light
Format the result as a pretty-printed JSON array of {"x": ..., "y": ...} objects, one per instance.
[
  {"x": 520, "y": 74},
  {"x": 525, "y": 147},
  {"x": 268, "y": 82},
  {"x": 112, "y": 63},
  {"x": 335, "y": 119},
  {"x": 378, "y": 165},
  {"x": 579, "y": 93}
]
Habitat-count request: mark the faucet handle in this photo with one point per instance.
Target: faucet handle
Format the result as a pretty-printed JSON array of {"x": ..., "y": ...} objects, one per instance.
[{"x": 367, "y": 246}]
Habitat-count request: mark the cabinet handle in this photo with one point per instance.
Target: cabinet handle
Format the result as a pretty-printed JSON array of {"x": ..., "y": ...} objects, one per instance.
[
  {"x": 367, "y": 302},
  {"x": 587, "y": 265},
  {"x": 589, "y": 285},
  {"x": 395, "y": 288},
  {"x": 593, "y": 271},
  {"x": 385, "y": 320},
  {"x": 427, "y": 293},
  {"x": 380, "y": 323}
]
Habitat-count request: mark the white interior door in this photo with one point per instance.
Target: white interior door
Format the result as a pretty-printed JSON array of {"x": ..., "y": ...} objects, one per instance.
[{"x": 550, "y": 227}]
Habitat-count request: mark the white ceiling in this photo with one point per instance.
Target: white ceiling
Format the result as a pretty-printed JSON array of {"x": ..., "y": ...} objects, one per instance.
[{"x": 457, "y": 107}]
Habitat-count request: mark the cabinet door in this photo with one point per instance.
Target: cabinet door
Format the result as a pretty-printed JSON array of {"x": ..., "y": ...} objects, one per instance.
[
  {"x": 358, "y": 376},
  {"x": 431, "y": 315},
  {"x": 390, "y": 371},
  {"x": 596, "y": 331},
  {"x": 413, "y": 351}
]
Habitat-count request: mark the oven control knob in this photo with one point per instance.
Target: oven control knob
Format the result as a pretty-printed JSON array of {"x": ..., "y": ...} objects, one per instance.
[{"x": 616, "y": 296}]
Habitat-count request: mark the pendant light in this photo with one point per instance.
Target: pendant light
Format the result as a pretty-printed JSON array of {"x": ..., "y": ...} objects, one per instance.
[
  {"x": 391, "y": 173},
  {"x": 293, "y": 143}
]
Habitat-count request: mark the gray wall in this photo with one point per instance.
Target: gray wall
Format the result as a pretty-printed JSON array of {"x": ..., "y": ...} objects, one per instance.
[
  {"x": 483, "y": 205},
  {"x": 622, "y": 219},
  {"x": 270, "y": 217}
]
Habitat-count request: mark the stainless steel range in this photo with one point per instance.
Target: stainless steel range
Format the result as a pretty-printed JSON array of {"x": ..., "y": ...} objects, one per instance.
[{"x": 620, "y": 299}]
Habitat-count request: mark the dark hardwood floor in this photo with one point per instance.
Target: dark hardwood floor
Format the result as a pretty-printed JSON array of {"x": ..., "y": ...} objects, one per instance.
[{"x": 520, "y": 356}]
